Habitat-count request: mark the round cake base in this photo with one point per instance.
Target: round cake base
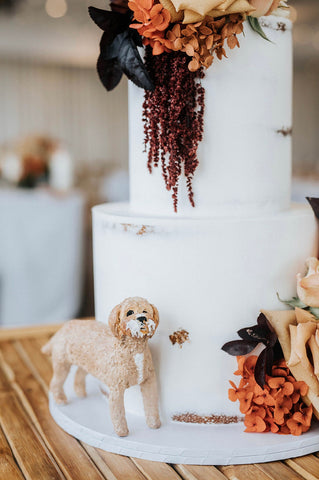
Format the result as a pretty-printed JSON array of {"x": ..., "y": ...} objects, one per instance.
[{"x": 88, "y": 420}]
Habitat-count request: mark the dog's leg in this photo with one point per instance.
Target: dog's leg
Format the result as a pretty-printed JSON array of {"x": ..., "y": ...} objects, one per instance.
[
  {"x": 117, "y": 411},
  {"x": 79, "y": 382},
  {"x": 150, "y": 401},
  {"x": 60, "y": 373}
]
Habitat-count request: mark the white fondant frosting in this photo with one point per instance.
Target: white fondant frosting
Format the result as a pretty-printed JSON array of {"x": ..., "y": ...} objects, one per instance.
[
  {"x": 209, "y": 270},
  {"x": 135, "y": 328},
  {"x": 207, "y": 276},
  {"x": 139, "y": 362},
  {"x": 244, "y": 163}
]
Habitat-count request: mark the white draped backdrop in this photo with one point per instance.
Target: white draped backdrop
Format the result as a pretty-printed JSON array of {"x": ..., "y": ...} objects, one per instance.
[{"x": 68, "y": 103}]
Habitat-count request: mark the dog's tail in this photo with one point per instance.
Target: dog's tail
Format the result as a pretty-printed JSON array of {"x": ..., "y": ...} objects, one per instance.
[{"x": 47, "y": 348}]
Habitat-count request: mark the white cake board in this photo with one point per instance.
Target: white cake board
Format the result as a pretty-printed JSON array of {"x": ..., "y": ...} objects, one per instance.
[{"x": 88, "y": 420}]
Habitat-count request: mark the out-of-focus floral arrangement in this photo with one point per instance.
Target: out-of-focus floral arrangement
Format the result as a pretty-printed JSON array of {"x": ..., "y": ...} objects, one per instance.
[{"x": 35, "y": 161}]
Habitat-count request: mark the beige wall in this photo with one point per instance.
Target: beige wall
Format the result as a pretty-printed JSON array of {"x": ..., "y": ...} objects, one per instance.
[
  {"x": 306, "y": 117},
  {"x": 68, "y": 103}
]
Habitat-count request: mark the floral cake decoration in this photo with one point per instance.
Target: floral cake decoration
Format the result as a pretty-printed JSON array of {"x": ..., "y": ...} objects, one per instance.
[
  {"x": 180, "y": 38},
  {"x": 279, "y": 387}
]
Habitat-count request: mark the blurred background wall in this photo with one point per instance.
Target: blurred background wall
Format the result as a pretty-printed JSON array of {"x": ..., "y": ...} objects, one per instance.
[
  {"x": 66, "y": 102},
  {"x": 49, "y": 86}
]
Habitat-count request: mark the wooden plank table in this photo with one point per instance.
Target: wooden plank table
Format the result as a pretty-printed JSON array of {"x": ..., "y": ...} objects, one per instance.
[{"x": 33, "y": 447}]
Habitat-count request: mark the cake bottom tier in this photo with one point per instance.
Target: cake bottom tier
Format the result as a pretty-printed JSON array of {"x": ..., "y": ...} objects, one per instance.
[{"x": 207, "y": 277}]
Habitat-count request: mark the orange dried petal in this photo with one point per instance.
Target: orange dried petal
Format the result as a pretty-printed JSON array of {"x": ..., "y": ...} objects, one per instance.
[{"x": 276, "y": 382}]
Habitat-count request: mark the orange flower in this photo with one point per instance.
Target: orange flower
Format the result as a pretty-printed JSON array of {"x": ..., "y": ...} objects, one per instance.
[
  {"x": 262, "y": 397},
  {"x": 241, "y": 363},
  {"x": 276, "y": 382},
  {"x": 277, "y": 407},
  {"x": 271, "y": 422},
  {"x": 245, "y": 402},
  {"x": 282, "y": 407},
  {"x": 254, "y": 423},
  {"x": 279, "y": 372},
  {"x": 304, "y": 416},
  {"x": 235, "y": 393},
  {"x": 300, "y": 421},
  {"x": 287, "y": 389},
  {"x": 284, "y": 430},
  {"x": 152, "y": 20},
  {"x": 249, "y": 365}
]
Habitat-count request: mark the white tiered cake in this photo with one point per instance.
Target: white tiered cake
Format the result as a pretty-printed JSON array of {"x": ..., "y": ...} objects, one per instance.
[{"x": 210, "y": 269}]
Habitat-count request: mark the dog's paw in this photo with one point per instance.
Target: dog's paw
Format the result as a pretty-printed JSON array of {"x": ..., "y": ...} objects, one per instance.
[
  {"x": 80, "y": 392},
  {"x": 122, "y": 432},
  {"x": 60, "y": 399},
  {"x": 153, "y": 422}
]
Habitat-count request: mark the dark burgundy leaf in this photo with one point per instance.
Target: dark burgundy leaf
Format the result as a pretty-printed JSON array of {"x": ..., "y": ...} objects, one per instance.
[
  {"x": 239, "y": 347},
  {"x": 131, "y": 63},
  {"x": 109, "y": 51},
  {"x": 260, "y": 368},
  {"x": 112, "y": 23},
  {"x": 256, "y": 332},
  {"x": 262, "y": 320},
  {"x": 272, "y": 339},
  {"x": 120, "y": 6},
  {"x": 269, "y": 360},
  {"x": 109, "y": 71},
  {"x": 314, "y": 202},
  {"x": 278, "y": 354}
]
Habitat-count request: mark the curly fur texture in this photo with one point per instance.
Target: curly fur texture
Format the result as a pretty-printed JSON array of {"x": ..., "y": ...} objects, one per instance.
[{"x": 116, "y": 354}]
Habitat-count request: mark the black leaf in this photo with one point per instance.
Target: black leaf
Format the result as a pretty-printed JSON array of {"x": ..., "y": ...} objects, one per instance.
[
  {"x": 239, "y": 347},
  {"x": 278, "y": 354},
  {"x": 260, "y": 368},
  {"x": 112, "y": 23},
  {"x": 110, "y": 51},
  {"x": 256, "y": 332},
  {"x": 262, "y": 320},
  {"x": 131, "y": 63},
  {"x": 269, "y": 360},
  {"x": 272, "y": 339},
  {"x": 109, "y": 71},
  {"x": 314, "y": 202}
]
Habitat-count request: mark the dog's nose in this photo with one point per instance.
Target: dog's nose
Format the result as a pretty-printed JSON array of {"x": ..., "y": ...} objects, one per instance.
[{"x": 142, "y": 319}]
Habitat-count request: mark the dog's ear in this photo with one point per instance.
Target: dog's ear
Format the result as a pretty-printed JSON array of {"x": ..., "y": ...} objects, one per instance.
[
  {"x": 114, "y": 320},
  {"x": 155, "y": 315}
]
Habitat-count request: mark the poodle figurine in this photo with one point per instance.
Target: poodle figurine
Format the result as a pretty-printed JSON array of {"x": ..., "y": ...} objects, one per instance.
[{"x": 117, "y": 354}]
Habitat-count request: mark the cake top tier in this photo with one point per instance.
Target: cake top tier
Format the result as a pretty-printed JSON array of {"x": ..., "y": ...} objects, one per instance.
[{"x": 209, "y": 127}]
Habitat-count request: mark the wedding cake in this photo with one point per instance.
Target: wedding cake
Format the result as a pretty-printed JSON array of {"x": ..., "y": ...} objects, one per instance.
[{"x": 211, "y": 242}]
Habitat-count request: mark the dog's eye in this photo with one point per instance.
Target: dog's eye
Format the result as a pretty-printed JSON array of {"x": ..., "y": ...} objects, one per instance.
[
  {"x": 130, "y": 312},
  {"x": 144, "y": 311}
]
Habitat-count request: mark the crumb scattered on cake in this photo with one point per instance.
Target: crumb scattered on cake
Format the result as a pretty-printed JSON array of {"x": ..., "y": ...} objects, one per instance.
[
  {"x": 279, "y": 26},
  {"x": 285, "y": 132},
  {"x": 137, "y": 229},
  {"x": 206, "y": 419},
  {"x": 179, "y": 337}
]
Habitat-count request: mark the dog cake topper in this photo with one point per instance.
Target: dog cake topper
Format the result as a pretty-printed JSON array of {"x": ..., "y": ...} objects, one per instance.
[{"x": 117, "y": 354}]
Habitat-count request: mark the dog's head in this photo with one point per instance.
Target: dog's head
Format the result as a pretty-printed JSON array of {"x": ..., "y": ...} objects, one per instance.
[{"x": 134, "y": 317}]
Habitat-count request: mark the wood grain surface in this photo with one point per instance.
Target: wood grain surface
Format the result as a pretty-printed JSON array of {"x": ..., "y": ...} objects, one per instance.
[{"x": 33, "y": 447}]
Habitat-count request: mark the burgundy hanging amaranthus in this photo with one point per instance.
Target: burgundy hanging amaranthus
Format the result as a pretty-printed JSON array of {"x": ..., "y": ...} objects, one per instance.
[{"x": 173, "y": 115}]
